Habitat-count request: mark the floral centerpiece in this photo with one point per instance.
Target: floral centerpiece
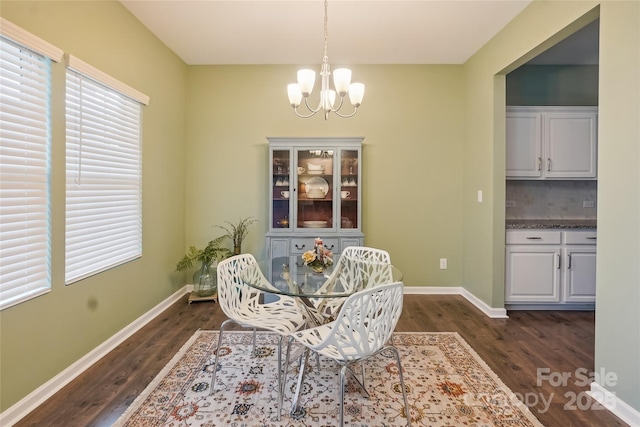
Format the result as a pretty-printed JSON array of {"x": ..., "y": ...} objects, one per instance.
[{"x": 318, "y": 258}]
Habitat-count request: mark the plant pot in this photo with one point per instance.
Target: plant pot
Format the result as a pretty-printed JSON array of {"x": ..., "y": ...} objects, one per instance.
[{"x": 205, "y": 281}]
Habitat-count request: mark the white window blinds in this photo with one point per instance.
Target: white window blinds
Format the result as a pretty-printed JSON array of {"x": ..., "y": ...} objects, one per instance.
[
  {"x": 104, "y": 174},
  {"x": 25, "y": 140}
]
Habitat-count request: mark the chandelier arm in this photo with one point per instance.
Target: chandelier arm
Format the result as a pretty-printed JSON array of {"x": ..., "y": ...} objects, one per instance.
[
  {"x": 306, "y": 103},
  {"x": 302, "y": 115},
  {"x": 346, "y": 116},
  {"x": 335, "y": 110}
]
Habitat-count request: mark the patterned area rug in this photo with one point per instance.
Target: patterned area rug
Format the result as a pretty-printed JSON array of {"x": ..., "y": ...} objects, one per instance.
[{"x": 447, "y": 385}]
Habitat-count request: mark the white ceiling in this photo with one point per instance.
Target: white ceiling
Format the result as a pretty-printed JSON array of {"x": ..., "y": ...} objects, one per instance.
[{"x": 291, "y": 31}]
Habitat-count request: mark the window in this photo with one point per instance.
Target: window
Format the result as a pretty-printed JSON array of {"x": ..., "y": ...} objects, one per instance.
[
  {"x": 103, "y": 172},
  {"x": 25, "y": 141}
]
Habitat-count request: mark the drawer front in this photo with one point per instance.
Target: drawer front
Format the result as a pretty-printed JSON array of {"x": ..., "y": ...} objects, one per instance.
[
  {"x": 533, "y": 237},
  {"x": 303, "y": 244},
  {"x": 583, "y": 237}
]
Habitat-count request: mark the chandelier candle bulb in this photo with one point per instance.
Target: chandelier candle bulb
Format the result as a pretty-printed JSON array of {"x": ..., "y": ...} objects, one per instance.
[
  {"x": 295, "y": 96},
  {"x": 356, "y": 93},
  {"x": 342, "y": 80},
  {"x": 306, "y": 80}
]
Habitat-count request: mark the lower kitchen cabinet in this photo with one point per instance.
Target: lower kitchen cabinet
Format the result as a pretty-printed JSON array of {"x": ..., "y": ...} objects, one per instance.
[
  {"x": 533, "y": 274},
  {"x": 550, "y": 269},
  {"x": 580, "y": 274}
]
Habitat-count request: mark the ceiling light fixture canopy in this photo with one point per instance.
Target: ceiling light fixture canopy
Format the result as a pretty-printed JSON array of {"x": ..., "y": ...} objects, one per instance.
[{"x": 341, "y": 82}]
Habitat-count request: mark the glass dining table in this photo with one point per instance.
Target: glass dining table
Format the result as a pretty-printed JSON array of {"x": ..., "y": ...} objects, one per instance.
[
  {"x": 320, "y": 294},
  {"x": 288, "y": 275}
]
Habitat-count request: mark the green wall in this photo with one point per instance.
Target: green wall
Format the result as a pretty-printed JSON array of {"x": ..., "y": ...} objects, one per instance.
[
  {"x": 41, "y": 337},
  {"x": 543, "y": 23},
  {"x": 434, "y": 136},
  {"x": 411, "y": 123},
  {"x": 618, "y": 268}
]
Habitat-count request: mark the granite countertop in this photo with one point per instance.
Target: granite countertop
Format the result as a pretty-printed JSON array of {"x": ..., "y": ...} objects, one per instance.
[{"x": 515, "y": 224}]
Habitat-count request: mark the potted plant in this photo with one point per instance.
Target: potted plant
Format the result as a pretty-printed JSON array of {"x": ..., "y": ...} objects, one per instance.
[
  {"x": 237, "y": 232},
  {"x": 205, "y": 281}
]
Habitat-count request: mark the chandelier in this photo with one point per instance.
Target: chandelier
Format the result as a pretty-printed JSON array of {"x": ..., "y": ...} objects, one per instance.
[{"x": 341, "y": 82}]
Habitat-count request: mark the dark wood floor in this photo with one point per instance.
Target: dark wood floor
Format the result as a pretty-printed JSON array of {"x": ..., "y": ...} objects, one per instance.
[{"x": 514, "y": 348}]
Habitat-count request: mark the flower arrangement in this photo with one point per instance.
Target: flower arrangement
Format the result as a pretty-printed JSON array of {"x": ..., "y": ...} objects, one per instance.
[{"x": 319, "y": 257}]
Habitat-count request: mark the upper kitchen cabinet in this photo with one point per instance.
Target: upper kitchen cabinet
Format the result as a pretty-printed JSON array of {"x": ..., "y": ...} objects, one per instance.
[
  {"x": 551, "y": 142},
  {"x": 315, "y": 189}
]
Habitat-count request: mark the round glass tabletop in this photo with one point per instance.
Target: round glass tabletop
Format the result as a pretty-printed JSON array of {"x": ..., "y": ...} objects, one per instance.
[{"x": 345, "y": 275}]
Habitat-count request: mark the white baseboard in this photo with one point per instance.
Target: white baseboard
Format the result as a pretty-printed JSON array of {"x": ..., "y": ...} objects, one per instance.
[
  {"x": 494, "y": 313},
  {"x": 27, "y": 404},
  {"x": 617, "y": 407}
]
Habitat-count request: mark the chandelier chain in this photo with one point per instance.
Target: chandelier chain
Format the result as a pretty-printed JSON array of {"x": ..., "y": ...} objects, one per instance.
[{"x": 326, "y": 29}]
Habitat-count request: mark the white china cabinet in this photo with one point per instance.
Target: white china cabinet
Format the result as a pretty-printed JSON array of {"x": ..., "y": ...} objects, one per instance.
[{"x": 315, "y": 190}]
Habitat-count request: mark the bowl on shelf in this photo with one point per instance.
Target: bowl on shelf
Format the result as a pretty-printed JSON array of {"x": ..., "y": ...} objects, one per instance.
[
  {"x": 316, "y": 194},
  {"x": 312, "y": 167}
]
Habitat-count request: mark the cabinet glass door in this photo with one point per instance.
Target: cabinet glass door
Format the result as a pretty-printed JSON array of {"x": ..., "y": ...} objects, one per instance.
[
  {"x": 349, "y": 189},
  {"x": 315, "y": 188},
  {"x": 281, "y": 195}
]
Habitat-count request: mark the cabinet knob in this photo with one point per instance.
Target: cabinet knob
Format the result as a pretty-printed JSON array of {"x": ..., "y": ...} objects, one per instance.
[
  {"x": 329, "y": 247},
  {"x": 300, "y": 247}
]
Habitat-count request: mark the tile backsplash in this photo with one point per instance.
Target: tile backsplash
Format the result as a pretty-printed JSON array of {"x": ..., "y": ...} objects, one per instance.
[{"x": 551, "y": 199}]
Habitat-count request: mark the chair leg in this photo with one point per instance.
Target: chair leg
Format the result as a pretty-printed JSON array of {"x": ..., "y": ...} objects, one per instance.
[
  {"x": 404, "y": 392},
  {"x": 343, "y": 371},
  {"x": 280, "y": 375},
  {"x": 215, "y": 363},
  {"x": 358, "y": 380},
  {"x": 295, "y": 408}
]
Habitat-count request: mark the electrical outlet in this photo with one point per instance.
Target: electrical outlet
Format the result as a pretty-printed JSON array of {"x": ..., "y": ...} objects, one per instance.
[
  {"x": 511, "y": 203},
  {"x": 443, "y": 263},
  {"x": 588, "y": 204}
]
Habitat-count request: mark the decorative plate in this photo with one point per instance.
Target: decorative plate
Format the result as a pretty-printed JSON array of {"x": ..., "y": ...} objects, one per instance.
[{"x": 316, "y": 184}]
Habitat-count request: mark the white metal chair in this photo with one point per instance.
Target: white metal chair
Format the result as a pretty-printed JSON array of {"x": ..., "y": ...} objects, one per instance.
[
  {"x": 359, "y": 267},
  {"x": 242, "y": 305},
  {"x": 362, "y": 329}
]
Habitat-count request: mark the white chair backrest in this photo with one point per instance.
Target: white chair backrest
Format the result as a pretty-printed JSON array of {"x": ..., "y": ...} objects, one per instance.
[
  {"x": 366, "y": 253},
  {"x": 234, "y": 295},
  {"x": 360, "y": 267},
  {"x": 365, "y": 322}
]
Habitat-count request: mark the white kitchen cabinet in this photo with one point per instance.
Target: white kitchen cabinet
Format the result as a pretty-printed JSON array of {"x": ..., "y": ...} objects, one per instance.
[
  {"x": 580, "y": 274},
  {"x": 551, "y": 142},
  {"x": 315, "y": 190},
  {"x": 550, "y": 269},
  {"x": 533, "y": 274}
]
